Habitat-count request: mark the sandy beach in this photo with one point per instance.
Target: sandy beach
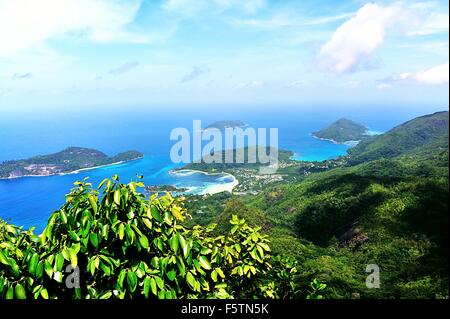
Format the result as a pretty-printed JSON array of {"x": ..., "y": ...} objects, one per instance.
[{"x": 213, "y": 188}]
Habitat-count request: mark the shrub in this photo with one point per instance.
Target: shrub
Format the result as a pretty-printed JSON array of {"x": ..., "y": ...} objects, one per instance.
[{"x": 113, "y": 242}]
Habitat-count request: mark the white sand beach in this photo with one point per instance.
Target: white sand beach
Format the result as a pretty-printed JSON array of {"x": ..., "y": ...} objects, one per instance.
[{"x": 212, "y": 188}]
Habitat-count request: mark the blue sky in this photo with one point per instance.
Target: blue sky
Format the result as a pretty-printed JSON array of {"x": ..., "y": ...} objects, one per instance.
[{"x": 98, "y": 53}]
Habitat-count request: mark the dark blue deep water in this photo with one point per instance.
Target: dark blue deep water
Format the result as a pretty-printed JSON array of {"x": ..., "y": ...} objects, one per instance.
[{"x": 29, "y": 201}]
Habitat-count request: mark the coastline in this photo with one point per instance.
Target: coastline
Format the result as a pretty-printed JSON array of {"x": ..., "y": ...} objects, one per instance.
[
  {"x": 74, "y": 172},
  {"x": 349, "y": 143},
  {"x": 213, "y": 188}
]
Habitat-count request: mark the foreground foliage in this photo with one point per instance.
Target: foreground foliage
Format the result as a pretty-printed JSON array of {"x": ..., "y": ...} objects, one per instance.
[{"x": 122, "y": 245}]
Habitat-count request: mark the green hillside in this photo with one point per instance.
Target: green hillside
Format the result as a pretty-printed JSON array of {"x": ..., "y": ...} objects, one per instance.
[
  {"x": 426, "y": 131},
  {"x": 392, "y": 212}
]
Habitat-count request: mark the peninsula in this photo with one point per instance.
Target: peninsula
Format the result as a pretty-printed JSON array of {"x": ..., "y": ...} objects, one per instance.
[{"x": 70, "y": 160}]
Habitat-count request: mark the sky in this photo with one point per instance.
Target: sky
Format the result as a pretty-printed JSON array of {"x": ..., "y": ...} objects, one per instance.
[{"x": 185, "y": 53}]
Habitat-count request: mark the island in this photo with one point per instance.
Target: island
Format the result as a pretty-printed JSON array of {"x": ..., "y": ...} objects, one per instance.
[
  {"x": 165, "y": 188},
  {"x": 70, "y": 160},
  {"x": 221, "y": 125},
  {"x": 343, "y": 131}
]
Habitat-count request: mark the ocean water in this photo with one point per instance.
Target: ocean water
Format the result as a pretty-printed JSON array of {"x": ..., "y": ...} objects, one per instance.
[{"x": 29, "y": 201}]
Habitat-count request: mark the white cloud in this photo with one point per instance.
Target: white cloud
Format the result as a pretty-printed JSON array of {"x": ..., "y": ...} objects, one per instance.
[
  {"x": 26, "y": 23},
  {"x": 355, "y": 41},
  {"x": 330, "y": 19},
  {"x": 433, "y": 23},
  {"x": 436, "y": 75},
  {"x": 287, "y": 19}
]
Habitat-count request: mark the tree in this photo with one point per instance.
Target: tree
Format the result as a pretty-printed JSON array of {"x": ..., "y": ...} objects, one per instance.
[{"x": 113, "y": 242}]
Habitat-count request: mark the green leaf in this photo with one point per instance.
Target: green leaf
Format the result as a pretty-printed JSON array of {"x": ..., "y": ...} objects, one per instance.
[
  {"x": 102, "y": 183},
  {"x": 171, "y": 274},
  {"x": 121, "y": 278},
  {"x": 74, "y": 235},
  {"x": 59, "y": 261},
  {"x": 147, "y": 222},
  {"x": 117, "y": 197},
  {"x": 10, "y": 293},
  {"x": 147, "y": 282},
  {"x": 205, "y": 251},
  {"x": 184, "y": 245},
  {"x": 214, "y": 275},
  {"x": 264, "y": 246},
  {"x": 3, "y": 258},
  {"x": 94, "y": 239},
  {"x": 204, "y": 262},
  {"x": 48, "y": 268},
  {"x": 14, "y": 267},
  {"x": 63, "y": 217},
  {"x": 32, "y": 264},
  {"x": 173, "y": 243},
  {"x": 144, "y": 241},
  {"x": 44, "y": 293},
  {"x": 73, "y": 258},
  {"x": 106, "y": 295},
  {"x": 105, "y": 268},
  {"x": 121, "y": 231},
  {"x": 131, "y": 280},
  {"x": 159, "y": 282},
  {"x": 191, "y": 280},
  {"x": 221, "y": 285},
  {"x": 20, "y": 292},
  {"x": 155, "y": 214},
  {"x": 39, "y": 270},
  {"x": 93, "y": 202},
  {"x": 220, "y": 272},
  {"x": 105, "y": 230},
  {"x": 153, "y": 286}
]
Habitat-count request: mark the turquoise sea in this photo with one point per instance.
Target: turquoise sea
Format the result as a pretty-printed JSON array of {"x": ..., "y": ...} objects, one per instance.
[{"x": 29, "y": 201}]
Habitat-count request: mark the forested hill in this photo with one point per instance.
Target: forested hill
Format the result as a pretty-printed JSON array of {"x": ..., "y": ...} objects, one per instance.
[
  {"x": 68, "y": 160},
  {"x": 423, "y": 134},
  {"x": 343, "y": 130}
]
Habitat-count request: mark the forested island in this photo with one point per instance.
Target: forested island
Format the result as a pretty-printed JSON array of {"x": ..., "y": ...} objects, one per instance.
[
  {"x": 343, "y": 131},
  {"x": 70, "y": 160},
  {"x": 221, "y": 125},
  {"x": 151, "y": 189}
]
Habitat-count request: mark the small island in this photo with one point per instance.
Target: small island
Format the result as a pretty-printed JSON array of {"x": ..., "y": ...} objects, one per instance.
[
  {"x": 70, "y": 160},
  {"x": 221, "y": 125},
  {"x": 343, "y": 131}
]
